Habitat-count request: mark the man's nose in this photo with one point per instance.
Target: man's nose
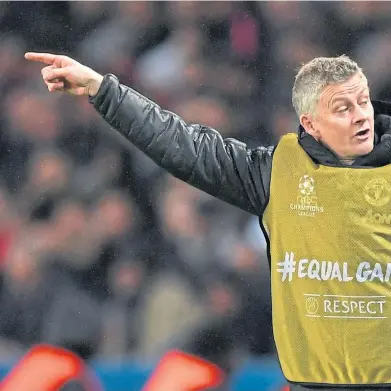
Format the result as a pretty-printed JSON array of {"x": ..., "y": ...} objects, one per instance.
[{"x": 360, "y": 115}]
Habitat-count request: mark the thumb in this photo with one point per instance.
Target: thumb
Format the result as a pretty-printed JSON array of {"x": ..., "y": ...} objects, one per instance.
[{"x": 50, "y": 73}]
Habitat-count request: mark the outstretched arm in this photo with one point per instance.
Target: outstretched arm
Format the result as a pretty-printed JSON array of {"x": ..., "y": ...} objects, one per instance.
[{"x": 196, "y": 154}]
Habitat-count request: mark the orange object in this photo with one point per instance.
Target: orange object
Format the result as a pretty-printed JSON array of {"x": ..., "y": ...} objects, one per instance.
[
  {"x": 178, "y": 371},
  {"x": 47, "y": 368}
]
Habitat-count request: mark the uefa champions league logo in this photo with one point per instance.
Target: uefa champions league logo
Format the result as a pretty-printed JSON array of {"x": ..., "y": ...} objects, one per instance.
[
  {"x": 306, "y": 185},
  {"x": 306, "y": 201}
]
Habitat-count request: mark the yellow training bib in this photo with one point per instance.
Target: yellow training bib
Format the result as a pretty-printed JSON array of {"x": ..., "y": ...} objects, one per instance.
[{"x": 330, "y": 243}]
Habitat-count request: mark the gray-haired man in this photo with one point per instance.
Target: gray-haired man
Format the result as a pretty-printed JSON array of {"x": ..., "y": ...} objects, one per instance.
[{"x": 323, "y": 199}]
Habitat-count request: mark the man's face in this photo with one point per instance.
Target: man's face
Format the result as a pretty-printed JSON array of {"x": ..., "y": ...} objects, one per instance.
[{"x": 344, "y": 119}]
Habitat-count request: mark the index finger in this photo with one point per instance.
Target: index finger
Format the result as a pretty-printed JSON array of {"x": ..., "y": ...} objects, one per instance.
[{"x": 46, "y": 58}]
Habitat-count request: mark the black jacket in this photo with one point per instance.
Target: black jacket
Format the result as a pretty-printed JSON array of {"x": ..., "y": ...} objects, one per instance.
[{"x": 198, "y": 155}]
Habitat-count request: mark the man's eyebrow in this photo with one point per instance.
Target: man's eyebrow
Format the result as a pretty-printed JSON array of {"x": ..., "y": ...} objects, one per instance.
[
  {"x": 364, "y": 90},
  {"x": 337, "y": 99}
]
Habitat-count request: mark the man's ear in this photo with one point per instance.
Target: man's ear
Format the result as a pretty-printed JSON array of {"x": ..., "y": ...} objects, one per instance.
[{"x": 307, "y": 122}]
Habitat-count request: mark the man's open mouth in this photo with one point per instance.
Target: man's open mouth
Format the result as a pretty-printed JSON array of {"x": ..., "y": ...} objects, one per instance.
[{"x": 362, "y": 133}]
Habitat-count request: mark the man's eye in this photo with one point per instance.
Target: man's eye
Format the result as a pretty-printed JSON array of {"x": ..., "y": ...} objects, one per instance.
[
  {"x": 343, "y": 109},
  {"x": 364, "y": 102}
]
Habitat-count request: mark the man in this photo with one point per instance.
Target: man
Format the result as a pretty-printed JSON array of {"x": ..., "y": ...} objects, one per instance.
[{"x": 323, "y": 200}]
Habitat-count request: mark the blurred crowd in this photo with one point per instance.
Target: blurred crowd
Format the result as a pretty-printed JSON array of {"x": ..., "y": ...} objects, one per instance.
[{"x": 100, "y": 250}]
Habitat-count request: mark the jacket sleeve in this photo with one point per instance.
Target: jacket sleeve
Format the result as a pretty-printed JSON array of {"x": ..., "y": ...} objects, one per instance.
[{"x": 196, "y": 154}]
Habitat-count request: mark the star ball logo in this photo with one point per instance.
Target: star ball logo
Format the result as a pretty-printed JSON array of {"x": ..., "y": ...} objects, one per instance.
[
  {"x": 306, "y": 186},
  {"x": 307, "y": 199}
]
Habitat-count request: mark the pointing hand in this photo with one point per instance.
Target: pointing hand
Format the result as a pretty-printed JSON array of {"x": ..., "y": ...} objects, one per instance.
[{"x": 62, "y": 73}]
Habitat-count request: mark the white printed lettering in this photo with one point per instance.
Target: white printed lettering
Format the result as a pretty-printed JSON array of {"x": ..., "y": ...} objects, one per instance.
[
  {"x": 353, "y": 307},
  {"x": 313, "y": 270},
  {"x": 377, "y": 273},
  {"x": 301, "y": 270},
  {"x": 388, "y": 273},
  {"x": 345, "y": 272},
  {"x": 336, "y": 272},
  {"x": 362, "y": 275},
  {"x": 325, "y": 270},
  {"x": 332, "y": 270},
  {"x": 369, "y": 307},
  {"x": 345, "y": 306}
]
